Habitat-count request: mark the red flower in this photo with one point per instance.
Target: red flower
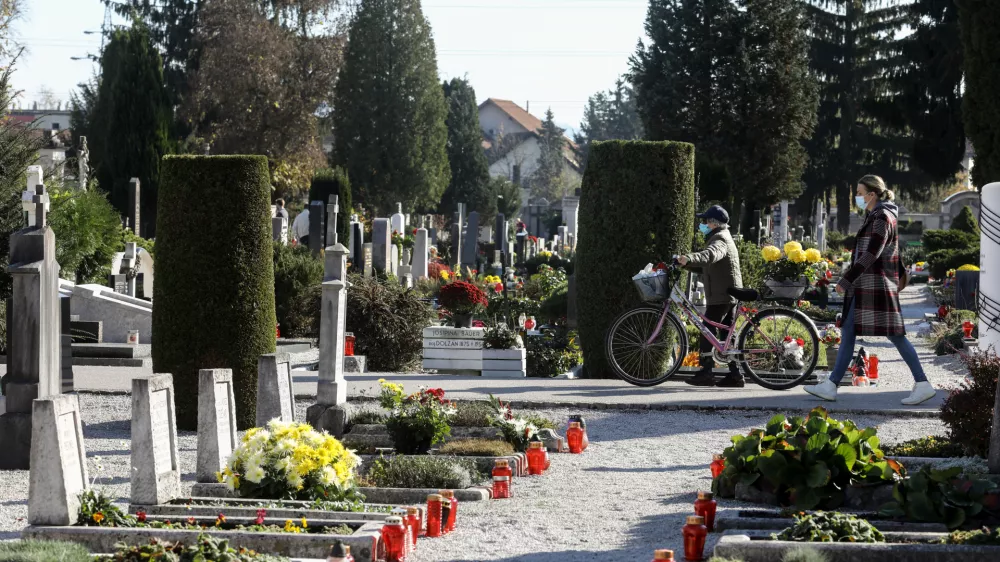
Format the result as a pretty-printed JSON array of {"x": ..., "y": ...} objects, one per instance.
[
  {"x": 461, "y": 296},
  {"x": 788, "y": 339},
  {"x": 260, "y": 516},
  {"x": 140, "y": 516},
  {"x": 800, "y": 341},
  {"x": 414, "y": 232},
  {"x": 190, "y": 520},
  {"x": 498, "y": 287}
]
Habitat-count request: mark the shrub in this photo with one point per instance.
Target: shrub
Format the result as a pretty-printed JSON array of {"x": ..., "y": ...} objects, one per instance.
[
  {"x": 461, "y": 297},
  {"x": 88, "y": 233},
  {"x": 517, "y": 306},
  {"x": 835, "y": 240},
  {"x": 966, "y": 221},
  {"x": 752, "y": 265},
  {"x": 416, "y": 421},
  {"x": 553, "y": 353},
  {"x": 806, "y": 462},
  {"x": 958, "y": 316},
  {"x": 43, "y": 551},
  {"x": 368, "y": 416},
  {"x": 543, "y": 284},
  {"x": 477, "y": 448},
  {"x": 830, "y": 527},
  {"x": 556, "y": 307},
  {"x": 423, "y": 472},
  {"x": 540, "y": 421},
  {"x": 329, "y": 182},
  {"x": 941, "y": 496},
  {"x": 931, "y": 446},
  {"x": 935, "y": 240},
  {"x": 205, "y": 548},
  {"x": 383, "y": 316},
  {"x": 977, "y": 536},
  {"x": 295, "y": 271},
  {"x": 501, "y": 337},
  {"x": 214, "y": 309},
  {"x": 968, "y": 409},
  {"x": 555, "y": 261},
  {"x": 913, "y": 254},
  {"x": 477, "y": 413},
  {"x": 636, "y": 207},
  {"x": 940, "y": 261},
  {"x": 290, "y": 460}
]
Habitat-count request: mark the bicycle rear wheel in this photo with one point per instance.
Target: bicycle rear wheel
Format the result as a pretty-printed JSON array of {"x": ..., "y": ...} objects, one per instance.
[
  {"x": 638, "y": 361},
  {"x": 767, "y": 359}
]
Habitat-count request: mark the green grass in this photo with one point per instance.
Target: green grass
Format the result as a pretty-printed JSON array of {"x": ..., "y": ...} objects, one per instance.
[
  {"x": 933, "y": 446},
  {"x": 43, "y": 551},
  {"x": 477, "y": 448}
]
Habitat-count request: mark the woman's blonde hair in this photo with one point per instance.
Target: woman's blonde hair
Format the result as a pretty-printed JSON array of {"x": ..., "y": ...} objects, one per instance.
[{"x": 875, "y": 184}]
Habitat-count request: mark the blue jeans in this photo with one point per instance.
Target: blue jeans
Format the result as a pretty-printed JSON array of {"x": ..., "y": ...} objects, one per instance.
[{"x": 846, "y": 353}]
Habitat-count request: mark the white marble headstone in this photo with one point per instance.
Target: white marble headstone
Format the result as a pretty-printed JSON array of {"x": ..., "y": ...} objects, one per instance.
[
  {"x": 58, "y": 461},
  {"x": 275, "y": 398},
  {"x": 216, "y": 421},
  {"x": 156, "y": 476}
]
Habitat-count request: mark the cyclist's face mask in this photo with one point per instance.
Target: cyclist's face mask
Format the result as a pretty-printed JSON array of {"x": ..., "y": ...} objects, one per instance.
[{"x": 704, "y": 228}]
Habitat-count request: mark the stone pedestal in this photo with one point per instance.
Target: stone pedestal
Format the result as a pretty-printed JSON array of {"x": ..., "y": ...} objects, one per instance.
[
  {"x": 156, "y": 476},
  {"x": 331, "y": 394}
]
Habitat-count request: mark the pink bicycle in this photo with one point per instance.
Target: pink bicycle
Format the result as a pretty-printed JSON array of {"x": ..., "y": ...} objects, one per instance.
[{"x": 777, "y": 347}]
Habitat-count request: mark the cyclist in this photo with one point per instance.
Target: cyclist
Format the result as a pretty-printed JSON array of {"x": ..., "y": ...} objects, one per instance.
[{"x": 719, "y": 265}]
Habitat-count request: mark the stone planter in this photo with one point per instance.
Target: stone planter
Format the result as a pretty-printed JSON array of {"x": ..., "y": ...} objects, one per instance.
[
  {"x": 453, "y": 350},
  {"x": 183, "y": 508},
  {"x": 774, "y": 519},
  {"x": 505, "y": 363},
  {"x": 791, "y": 290},
  {"x": 391, "y": 496},
  {"x": 756, "y": 546}
]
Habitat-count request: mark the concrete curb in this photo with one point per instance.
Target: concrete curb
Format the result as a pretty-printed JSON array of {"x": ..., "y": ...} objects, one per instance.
[{"x": 739, "y": 545}]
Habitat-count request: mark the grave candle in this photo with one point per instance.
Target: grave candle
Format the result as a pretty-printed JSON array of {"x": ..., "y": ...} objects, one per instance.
[
  {"x": 449, "y": 498},
  {"x": 348, "y": 345},
  {"x": 501, "y": 487},
  {"x": 401, "y": 513},
  {"x": 394, "y": 537},
  {"x": 663, "y": 554},
  {"x": 694, "y": 533},
  {"x": 718, "y": 465},
  {"x": 338, "y": 553},
  {"x": 529, "y": 324},
  {"x": 536, "y": 458},
  {"x": 350, "y": 557},
  {"x": 583, "y": 426},
  {"x": 445, "y": 514},
  {"x": 574, "y": 438},
  {"x": 502, "y": 468},
  {"x": 705, "y": 506},
  {"x": 434, "y": 512},
  {"x": 416, "y": 524},
  {"x": 967, "y": 329}
]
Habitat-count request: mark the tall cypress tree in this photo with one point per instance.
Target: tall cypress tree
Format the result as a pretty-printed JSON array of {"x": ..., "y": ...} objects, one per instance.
[
  {"x": 547, "y": 181},
  {"x": 608, "y": 116},
  {"x": 469, "y": 170},
  {"x": 130, "y": 120},
  {"x": 389, "y": 109},
  {"x": 979, "y": 21}
]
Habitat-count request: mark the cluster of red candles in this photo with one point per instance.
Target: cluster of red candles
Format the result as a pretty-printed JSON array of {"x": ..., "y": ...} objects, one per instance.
[
  {"x": 401, "y": 529},
  {"x": 695, "y": 530}
]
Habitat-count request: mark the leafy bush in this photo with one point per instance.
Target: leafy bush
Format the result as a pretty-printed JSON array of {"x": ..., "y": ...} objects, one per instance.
[
  {"x": 556, "y": 307},
  {"x": 966, "y": 222},
  {"x": 555, "y": 261},
  {"x": 913, "y": 254},
  {"x": 539, "y": 421},
  {"x": 956, "y": 317},
  {"x": 932, "y": 446},
  {"x": 477, "y": 413},
  {"x": 213, "y": 309},
  {"x": 423, "y": 472},
  {"x": 497, "y": 308},
  {"x": 290, "y": 460},
  {"x": 636, "y": 207},
  {"x": 948, "y": 341},
  {"x": 935, "y": 240},
  {"x": 830, "y": 527},
  {"x": 939, "y": 496},
  {"x": 88, "y": 233},
  {"x": 382, "y": 315},
  {"x": 31, "y": 550},
  {"x": 368, "y": 416},
  {"x": 968, "y": 409},
  {"x": 806, "y": 462},
  {"x": 206, "y": 548},
  {"x": 940, "y": 261},
  {"x": 910, "y": 226},
  {"x": 835, "y": 240},
  {"x": 752, "y": 265},
  {"x": 295, "y": 271},
  {"x": 416, "y": 421},
  {"x": 543, "y": 284},
  {"x": 329, "y": 182},
  {"x": 977, "y": 536},
  {"x": 499, "y": 336},
  {"x": 553, "y": 353},
  {"x": 477, "y": 448}
]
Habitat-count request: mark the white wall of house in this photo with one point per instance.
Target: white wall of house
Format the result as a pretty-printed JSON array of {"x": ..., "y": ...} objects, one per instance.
[
  {"x": 526, "y": 155},
  {"x": 493, "y": 121}
]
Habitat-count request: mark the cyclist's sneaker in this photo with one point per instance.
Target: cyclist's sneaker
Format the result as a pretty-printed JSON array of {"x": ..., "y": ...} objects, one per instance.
[
  {"x": 731, "y": 381},
  {"x": 703, "y": 378}
]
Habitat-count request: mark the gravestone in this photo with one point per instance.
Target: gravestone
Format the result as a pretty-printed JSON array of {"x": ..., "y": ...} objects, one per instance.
[
  {"x": 420, "y": 254},
  {"x": 279, "y": 230},
  {"x": 381, "y": 240},
  {"x": 356, "y": 245},
  {"x": 398, "y": 220},
  {"x": 521, "y": 246},
  {"x": 486, "y": 234},
  {"x": 470, "y": 247},
  {"x": 966, "y": 290},
  {"x": 317, "y": 214},
  {"x": 500, "y": 232},
  {"x": 275, "y": 398},
  {"x": 394, "y": 260},
  {"x": 332, "y": 209},
  {"x": 35, "y": 177},
  {"x": 457, "y": 223},
  {"x": 134, "y": 202},
  {"x": 329, "y": 412},
  {"x": 156, "y": 476},
  {"x": 66, "y": 343},
  {"x": 119, "y": 283},
  {"x": 33, "y": 352},
  {"x": 216, "y": 422},
  {"x": 58, "y": 461},
  {"x": 563, "y": 238},
  {"x": 367, "y": 259},
  {"x": 989, "y": 297}
]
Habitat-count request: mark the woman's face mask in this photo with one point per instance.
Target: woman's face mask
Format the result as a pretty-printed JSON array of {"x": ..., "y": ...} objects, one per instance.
[
  {"x": 704, "y": 228},
  {"x": 859, "y": 200}
]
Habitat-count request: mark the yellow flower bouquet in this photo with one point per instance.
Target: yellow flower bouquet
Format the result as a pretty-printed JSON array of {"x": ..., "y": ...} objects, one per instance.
[
  {"x": 792, "y": 264},
  {"x": 291, "y": 461}
]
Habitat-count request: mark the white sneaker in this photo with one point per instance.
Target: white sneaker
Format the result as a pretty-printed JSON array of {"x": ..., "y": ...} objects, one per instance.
[
  {"x": 922, "y": 392},
  {"x": 825, "y": 390}
]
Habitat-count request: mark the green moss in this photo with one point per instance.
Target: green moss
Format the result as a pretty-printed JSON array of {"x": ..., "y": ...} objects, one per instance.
[
  {"x": 931, "y": 446},
  {"x": 636, "y": 207},
  {"x": 43, "y": 551},
  {"x": 477, "y": 448},
  {"x": 214, "y": 290}
]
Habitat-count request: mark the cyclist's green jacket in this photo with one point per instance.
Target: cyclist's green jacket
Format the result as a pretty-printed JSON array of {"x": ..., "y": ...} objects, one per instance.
[{"x": 719, "y": 264}]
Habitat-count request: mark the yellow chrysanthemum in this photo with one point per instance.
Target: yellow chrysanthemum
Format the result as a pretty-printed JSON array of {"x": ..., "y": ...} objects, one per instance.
[
  {"x": 793, "y": 245},
  {"x": 813, "y": 255},
  {"x": 770, "y": 253},
  {"x": 796, "y": 256},
  {"x": 969, "y": 267},
  {"x": 444, "y": 275}
]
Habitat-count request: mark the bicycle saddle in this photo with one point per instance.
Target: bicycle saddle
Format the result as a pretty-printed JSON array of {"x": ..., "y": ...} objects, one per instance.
[{"x": 743, "y": 294}]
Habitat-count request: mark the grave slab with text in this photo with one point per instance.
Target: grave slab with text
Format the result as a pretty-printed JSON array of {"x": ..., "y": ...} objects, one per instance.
[
  {"x": 453, "y": 350},
  {"x": 156, "y": 476}
]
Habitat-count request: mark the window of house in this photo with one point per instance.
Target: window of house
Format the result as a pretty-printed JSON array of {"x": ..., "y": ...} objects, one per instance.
[
  {"x": 55, "y": 126},
  {"x": 517, "y": 174}
]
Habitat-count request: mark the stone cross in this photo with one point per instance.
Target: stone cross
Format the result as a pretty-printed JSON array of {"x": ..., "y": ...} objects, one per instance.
[
  {"x": 84, "y": 163},
  {"x": 458, "y": 220},
  {"x": 58, "y": 461},
  {"x": 275, "y": 398},
  {"x": 156, "y": 476},
  {"x": 216, "y": 421},
  {"x": 35, "y": 177},
  {"x": 41, "y": 202},
  {"x": 332, "y": 208}
]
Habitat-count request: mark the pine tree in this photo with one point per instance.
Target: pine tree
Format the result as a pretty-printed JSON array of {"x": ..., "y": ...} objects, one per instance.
[
  {"x": 979, "y": 21},
  {"x": 966, "y": 221},
  {"x": 469, "y": 169},
  {"x": 608, "y": 116},
  {"x": 130, "y": 121},
  {"x": 389, "y": 108},
  {"x": 547, "y": 181}
]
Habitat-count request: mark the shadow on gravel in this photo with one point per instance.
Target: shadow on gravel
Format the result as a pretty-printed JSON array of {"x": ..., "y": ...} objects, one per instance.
[
  {"x": 598, "y": 429},
  {"x": 109, "y": 429},
  {"x": 645, "y": 469}
]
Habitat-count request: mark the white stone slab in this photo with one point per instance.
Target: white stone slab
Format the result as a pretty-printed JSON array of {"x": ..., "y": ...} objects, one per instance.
[
  {"x": 156, "y": 476},
  {"x": 453, "y": 364},
  {"x": 504, "y": 374},
  {"x": 515, "y": 354},
  {"x": 58, "y": 461},
  {"x": 274, "y": 389},
  {"x": 433, "y": 353},
  {"x": 448, "y": 332},
  {"x": 452, "y": 344},
  {"x": 216, "y": 421},
  {"x": 505, "y": 364}
]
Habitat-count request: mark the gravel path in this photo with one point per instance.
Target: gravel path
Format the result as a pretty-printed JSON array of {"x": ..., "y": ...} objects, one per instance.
[{"x": 624, "y": 497}]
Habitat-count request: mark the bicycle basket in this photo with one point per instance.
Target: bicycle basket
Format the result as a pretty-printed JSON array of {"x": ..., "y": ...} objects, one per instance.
[{"x": 653, "y": 288}]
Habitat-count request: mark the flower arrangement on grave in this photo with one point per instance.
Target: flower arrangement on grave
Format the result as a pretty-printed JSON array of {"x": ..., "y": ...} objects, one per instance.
[
  {"x": 462, "y": 299},
  {"x": 501, "y": 336},
  {"x": 416, "y": 421},
  {"x": 205, "y": 548},
  {"x": 794, "y": 265},
  {"x": 517, "y": 430},
  {"x": 403, "y": 240},
  {"x": 830, "y": 335},
  {"x": 291, "y": 461}
]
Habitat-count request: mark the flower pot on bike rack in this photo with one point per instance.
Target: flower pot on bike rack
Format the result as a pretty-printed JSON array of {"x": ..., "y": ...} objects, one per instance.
[{"x": 786, "y": 289}]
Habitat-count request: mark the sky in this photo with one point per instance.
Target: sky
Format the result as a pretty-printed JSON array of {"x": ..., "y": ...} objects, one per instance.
[{"x": 540, "y": 53}]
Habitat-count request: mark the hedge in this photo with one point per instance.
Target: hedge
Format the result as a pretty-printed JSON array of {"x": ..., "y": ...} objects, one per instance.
[
  {"x": 329, "y": 182},
  {"x": 636, "y": 207},
  {"x": 947, "y": 240},
  {"x": 940, "y": 261},
  {"x": 214, "y": 293}
]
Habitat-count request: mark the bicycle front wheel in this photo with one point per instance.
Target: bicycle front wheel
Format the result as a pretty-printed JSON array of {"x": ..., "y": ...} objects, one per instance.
[
  {"x": 635, "y": 358},
  {"x": 772, "y": 359}
]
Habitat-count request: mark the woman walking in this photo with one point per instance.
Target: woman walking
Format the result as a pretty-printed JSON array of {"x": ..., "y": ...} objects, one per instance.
[{"x": 870, "y": 290}]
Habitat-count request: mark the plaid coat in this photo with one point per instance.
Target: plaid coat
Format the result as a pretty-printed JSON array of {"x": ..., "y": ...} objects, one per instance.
[{"x": 873, "y": 277}]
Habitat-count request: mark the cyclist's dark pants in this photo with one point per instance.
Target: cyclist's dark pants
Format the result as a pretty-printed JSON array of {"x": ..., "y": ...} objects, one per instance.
[{"x": 723, "y": 314}]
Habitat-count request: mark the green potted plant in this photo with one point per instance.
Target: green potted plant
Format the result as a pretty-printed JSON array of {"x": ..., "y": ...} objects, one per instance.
[
  {"x": 416, "y": 421},
  {"x": 789, "y": 276},
  {"x": 504, "y": 355},
  {"x": 463, "y": 300}
]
